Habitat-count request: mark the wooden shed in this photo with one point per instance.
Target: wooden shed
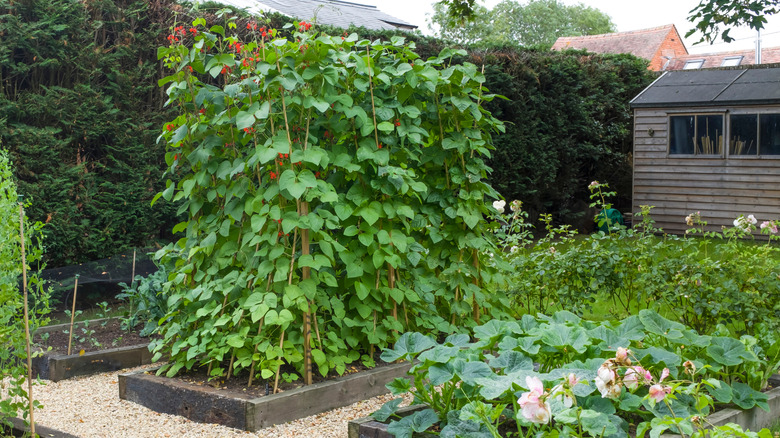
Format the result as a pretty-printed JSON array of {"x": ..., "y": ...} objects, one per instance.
[{"x": 708, "y": 141}]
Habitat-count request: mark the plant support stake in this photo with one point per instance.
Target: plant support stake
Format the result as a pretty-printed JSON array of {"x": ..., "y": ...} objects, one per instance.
[
  {"x": 73, "y": 313},
  {"x": 26, "y": 319}
]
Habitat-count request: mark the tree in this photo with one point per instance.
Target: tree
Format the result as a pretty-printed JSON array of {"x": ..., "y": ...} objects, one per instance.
[
  {"x": 539, "y": 22},
  {"x": 715, "y": 17}
]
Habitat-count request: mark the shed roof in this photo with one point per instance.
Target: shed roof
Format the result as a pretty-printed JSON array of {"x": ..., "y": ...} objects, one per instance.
[
  {"x": 338, "y": 13},
  {"x": 689, "y": 88}
]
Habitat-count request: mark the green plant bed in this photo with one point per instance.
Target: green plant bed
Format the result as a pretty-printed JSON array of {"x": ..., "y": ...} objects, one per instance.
[
  {"x": 99, "y": 346},
  {"x": 750, "y": 419},
  {"x": 566, "y": 375},
  {"x": 237, "y": 408}
]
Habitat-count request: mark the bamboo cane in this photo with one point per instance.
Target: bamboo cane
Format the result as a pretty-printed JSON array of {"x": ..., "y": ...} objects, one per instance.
[
  {"x": 305, "y": 275},
  {"x": 279, "y": 367},
  {"x": 26, "y": 319},
  {"x": 73, "y": 313},
  {"x": 252, "y": 367}
]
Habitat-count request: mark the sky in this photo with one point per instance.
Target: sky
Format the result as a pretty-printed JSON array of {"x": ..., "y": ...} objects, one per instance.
[{"x": 626, "y": 14}]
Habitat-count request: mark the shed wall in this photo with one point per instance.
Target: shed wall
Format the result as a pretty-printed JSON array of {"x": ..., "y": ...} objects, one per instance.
[{"x": 720, "y": 188}]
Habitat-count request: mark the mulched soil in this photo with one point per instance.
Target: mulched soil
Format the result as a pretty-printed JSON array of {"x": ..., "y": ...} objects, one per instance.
[
  {"x": 93, "y": 337},
  {"x": 262, "y": 387}
]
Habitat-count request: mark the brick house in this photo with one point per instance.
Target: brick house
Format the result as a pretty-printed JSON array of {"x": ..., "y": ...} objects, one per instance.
[
  {"x": 659, "y": 45},
  {"x": 769, "y": 55}
]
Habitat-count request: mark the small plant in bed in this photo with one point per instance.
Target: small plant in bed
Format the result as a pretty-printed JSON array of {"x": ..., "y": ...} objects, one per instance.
[{"x": 560, "y": 375}]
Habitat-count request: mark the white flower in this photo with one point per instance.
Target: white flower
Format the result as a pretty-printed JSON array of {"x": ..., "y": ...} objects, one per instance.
[
  {"x": 499, "y": 205},
  {"x": 606, "y": 382},
  {"x": 752, "y": 219}
]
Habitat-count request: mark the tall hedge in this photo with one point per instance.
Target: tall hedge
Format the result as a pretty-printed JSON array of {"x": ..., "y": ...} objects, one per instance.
[
  {"x": 568, "y": 124},
  {"x": 79, "y": 110}
]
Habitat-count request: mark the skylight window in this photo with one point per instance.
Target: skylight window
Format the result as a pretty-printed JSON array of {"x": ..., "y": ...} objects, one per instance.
[
  {"x": 731, "y": 61},
  {"x": 693, "y": 64}
]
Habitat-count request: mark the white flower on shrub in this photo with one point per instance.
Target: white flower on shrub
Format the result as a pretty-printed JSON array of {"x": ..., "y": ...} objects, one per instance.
[
  {"x": 745, "y": 224},
  {"x": 562, "y": 391},
  {"x": 606, "y": 381},
  {"x": 499, "y": 205}
]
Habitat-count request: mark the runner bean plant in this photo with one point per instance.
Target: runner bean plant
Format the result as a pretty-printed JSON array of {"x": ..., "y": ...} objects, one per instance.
[{"x": 335, "y": 191}]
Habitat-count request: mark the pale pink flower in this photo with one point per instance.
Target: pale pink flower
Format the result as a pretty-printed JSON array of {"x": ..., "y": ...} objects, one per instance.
[
  {"x": 664, "y": 374},
  {"x": 593, "y": 185},
  {"x": 659, "y": 392},
  {"x": 622, "y": 356},
  {"x": 772, "y": 226},
  {"x": 635, "y": 376},
  {"x": 533, "y": 407},
  {"x": 537, "y": 412}
]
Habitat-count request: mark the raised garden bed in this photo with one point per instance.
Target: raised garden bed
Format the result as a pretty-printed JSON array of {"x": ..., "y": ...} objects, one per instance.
[
  {"x": 20, "y": 429},
  {"x": 107, "y": 349},
  {"x": 235, "y": 408},
  {"x": 753, "y": 419}
]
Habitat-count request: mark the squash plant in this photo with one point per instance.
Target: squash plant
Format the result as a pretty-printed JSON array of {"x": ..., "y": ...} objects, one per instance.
[{"x": 335, "y": 191}]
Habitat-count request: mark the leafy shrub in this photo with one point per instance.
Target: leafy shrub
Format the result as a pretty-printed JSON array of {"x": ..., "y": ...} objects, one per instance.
[
  {"x": 701, "y": 279},
  {"x": 568, "y": 376}
]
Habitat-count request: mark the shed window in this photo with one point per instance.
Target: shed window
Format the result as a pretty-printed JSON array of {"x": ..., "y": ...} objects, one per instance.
[
  {"x": 696, "y": 134},
  {"x": 755, "y": 134}
]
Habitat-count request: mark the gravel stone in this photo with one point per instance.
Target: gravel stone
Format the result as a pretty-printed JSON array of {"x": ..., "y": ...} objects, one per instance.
[{"x": 89, "y": 407}]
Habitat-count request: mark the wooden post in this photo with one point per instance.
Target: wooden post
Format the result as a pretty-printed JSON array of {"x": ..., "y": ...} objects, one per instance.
[
  {"x": 73, "y": 313},
  {"x": 279, "y": 367},
  {"x": 132, "y": 275},
  {"x": 26, "y": 319},
  {"x": 475, "y": 305}
]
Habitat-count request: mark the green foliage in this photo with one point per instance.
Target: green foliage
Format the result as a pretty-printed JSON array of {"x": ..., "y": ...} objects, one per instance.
[
  {"x": 709, "y": 15},
  {"x": 564, "y": 376},
  {"x": 568, "y": 124},
  {"x": 703, "y": 281},
  {"x": 13, "y": 365},
  {"x": 146, "y": 302},
  {"x": 537, "y": 23},
  {"x": 77, "y": 105},
  {"x": 326, "y": 179}
]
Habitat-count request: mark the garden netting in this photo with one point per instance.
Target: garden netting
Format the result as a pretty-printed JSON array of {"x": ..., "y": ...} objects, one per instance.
[{"x": 110, "y": 271}]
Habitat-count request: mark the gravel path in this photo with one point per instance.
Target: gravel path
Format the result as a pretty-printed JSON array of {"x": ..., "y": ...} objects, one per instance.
[{"x": 90, "y": 407}]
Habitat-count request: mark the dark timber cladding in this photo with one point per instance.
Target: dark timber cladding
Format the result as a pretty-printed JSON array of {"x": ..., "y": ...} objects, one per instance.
[{"x": 708, "y": 141}]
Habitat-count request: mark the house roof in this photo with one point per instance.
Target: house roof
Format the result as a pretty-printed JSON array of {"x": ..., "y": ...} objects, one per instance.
[
  {"x": 643, "y": 43},
  {"x": 337, "y": 13},
  {"x": 689, "y": 88},
  {"x": 769, "y": 55}
]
